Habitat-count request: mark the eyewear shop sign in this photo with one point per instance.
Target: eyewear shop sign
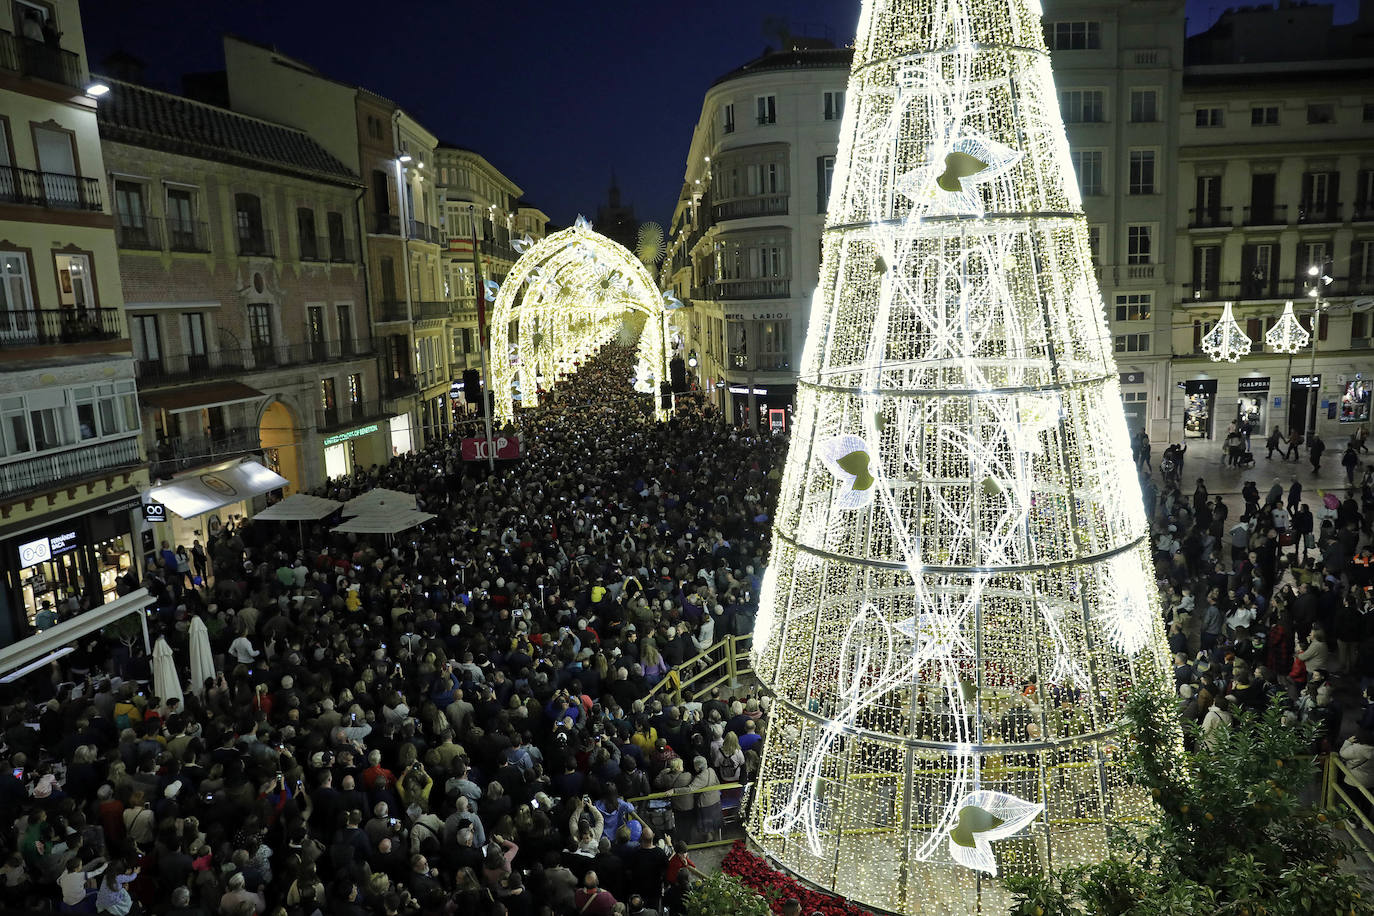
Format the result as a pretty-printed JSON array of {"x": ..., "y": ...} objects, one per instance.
[{"x": 44, "y": 549}]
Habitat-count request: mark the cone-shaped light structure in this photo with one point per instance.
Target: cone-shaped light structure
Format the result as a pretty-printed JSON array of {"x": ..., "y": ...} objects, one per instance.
[
  {"x": 1287, "y": 335},
  {"x": 960, "y": 595}
]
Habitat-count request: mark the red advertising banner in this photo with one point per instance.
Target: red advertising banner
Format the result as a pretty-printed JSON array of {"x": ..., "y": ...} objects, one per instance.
[{"x": 475, "y": 449}]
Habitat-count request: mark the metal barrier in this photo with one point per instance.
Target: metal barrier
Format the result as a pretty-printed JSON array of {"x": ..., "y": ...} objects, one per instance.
[
  {"x": 721, "y": 839},
  {"x": 1335, "y": 788},
  {"x": 722, "y": 663}
]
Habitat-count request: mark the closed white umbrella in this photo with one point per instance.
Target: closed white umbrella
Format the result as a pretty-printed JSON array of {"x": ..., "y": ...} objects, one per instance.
[
  {"x": 202, "y": 659},
  {"x": 166, "y": 684}
]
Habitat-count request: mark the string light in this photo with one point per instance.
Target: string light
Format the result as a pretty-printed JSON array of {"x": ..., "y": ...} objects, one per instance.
[
  {"x": 1287, "y": 335},
  {"x": 570, "y": 292},
  {"x": 1226, "y": 341},
  {"x": 959, "y": 597}
]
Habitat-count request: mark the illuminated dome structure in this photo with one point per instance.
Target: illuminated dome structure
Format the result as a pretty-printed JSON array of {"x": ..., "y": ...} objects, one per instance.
[
  {"x": 570, "y": 294},
  {"x": 960, "y": 595}
]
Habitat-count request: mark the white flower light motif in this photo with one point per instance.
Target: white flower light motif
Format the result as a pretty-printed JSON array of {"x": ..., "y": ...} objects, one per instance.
[
  {"x": 986, "y": 816},
  {"x": 1287, "y": 335},
  {"x": 1226, "y": 341},
  {"x": 948, "y": 183}
]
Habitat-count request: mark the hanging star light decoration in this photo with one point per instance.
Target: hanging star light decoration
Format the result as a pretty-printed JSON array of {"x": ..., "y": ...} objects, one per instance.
[
  {"x": 1226, "y": 341},
  {"x": 1287, "y": 335}
]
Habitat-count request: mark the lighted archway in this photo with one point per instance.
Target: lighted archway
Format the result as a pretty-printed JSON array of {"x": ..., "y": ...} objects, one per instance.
[{"x": 571, "y": 292}]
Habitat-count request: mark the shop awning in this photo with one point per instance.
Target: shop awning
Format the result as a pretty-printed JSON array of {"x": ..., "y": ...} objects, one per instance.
[
  {"x": 379, "y": 500},
  {"x": 390, "y": 522},
  {"x": 298, "y": 507},
  {"x": 195, "y": 397},
  {"x": 192, "y": 496}
]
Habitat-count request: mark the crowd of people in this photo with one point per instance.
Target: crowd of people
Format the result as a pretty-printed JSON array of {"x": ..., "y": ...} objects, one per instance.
[
  {"x": 452, "y": 722},
  {"x": 1270, "y": 601}
]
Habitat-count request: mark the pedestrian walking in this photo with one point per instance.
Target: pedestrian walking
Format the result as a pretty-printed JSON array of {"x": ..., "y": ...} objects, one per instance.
[
  {"x": 1294, "y": 442},
  {"x": 1275, "y": 442},
  {"x": 1294, "y": 495},
  {"x": 1359, "y": 438},
  {"x": 1350, "y": 461},
  {"x": 1144, "y": 459},
  {"x": 1314, "y": 452}
]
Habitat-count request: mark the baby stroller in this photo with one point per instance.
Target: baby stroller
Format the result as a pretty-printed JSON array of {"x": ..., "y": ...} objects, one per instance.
[{"x": 1247, "y": 460}]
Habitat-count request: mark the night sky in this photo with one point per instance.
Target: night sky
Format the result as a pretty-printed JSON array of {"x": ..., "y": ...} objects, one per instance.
[{"x": 555, "y": 94}]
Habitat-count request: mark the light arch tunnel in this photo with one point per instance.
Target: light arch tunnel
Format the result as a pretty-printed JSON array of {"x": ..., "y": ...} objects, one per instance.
[{"x": 569, "y": 294}]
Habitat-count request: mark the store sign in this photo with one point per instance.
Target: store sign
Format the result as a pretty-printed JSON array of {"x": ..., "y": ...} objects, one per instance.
[
  {"x": 1307, "y": 381},
  {"x": 1132, "y": 378},
  {"x": 474, "y": 449},
  {"x": 757, "y": 316},
  {"x": 1253, "y": 384},
  {"x": 742, "y": 389},
  {"x": 1199, "y": 386},
  {"x": 154, "y": 512},
  {"x": 125, "y": 506},
  {"x": 62, "y": 543},
  {"x": 351, "y": 434},
  {"x": 34, "y": 552}
]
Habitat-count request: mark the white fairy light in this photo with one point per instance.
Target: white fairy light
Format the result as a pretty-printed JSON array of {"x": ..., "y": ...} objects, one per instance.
[
  {"x": 1226, "y": 341},
  {"x": 1287, "y": 335},
  {"x": 959, "y": 595}
]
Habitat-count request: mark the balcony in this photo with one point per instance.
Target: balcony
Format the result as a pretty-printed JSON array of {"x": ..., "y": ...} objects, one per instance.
[
  {"x": 386, "y": 224},
  {"x": 422, "y": 232},
  {"x": 256, "y": 244},
  {"x": 1210, "y": 218},
  {"x": 144, "y": 234},
  {"x": 423, "y": 310},
  {"x": 498, "y": 249},
  {"x": 746, "y": 207},
  {"x": 341, "y": 251},
  {"x": 181, "y": 453},
  {"x": 325, "y": 249},
  {"x": 241, "y": 360},
  {"x": 404, "y": 386},
  {"x": 1326, "y": 211},
  {"x": 1363, "y": 211},
  {"x": 1258, "y": 288},
  {"x": 329, "y": 419},
  {"x": 1272, "y": 215},
  {"x": 392, "y": 310},
  {"x": 74, "y": 463},
  {"x": 762, "y": 288},
  {"x": 42, "y": 327},
  {"x": 1207, "y": 292},
  {"x": 187, "y": 235},
  {"x": 49, "y": 189},
  {"x": 38, "y": 59}
]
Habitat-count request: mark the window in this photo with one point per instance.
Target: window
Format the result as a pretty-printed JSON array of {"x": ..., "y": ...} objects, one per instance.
[
  {"x": 766, "y": 107},
  {"x": 260, "y": 333},
  {"x": 1142, "y": 171},
  {"x": 248, "y": 224},
  {"x": 1144, "y": 106},
  {"x": 345, "y": 316},
  {"x": 1264, "y": 115},
  {"x": 1131, "y": 343},
  {"x": 75, "y": 285},
  {"x": 1088, "y": 166},
  {"x": 328, "y": 400},
  {"x": 775, "y": 345},
  {"x": 1134, "y": 306},
  {"x": 1139, "y": 244},
  {"x": 108, "y": 409},
  {"x": 825, "y": 173},
  {"x": 1095, "y": 244},
  {"x": 1206, "y": 268},
  {"x": 764, "y": 178},
  {"x": 1082, "y": 106},
  {"x": 832, "y": 105},
  {"x": 1362, "y": 261},
  {"x": 147, "y": 344},
  {"x": 338, "y": 248},
  {"x": 193, "y": 337},
  {"x": 387, "y": 267},
  {"x": 728, "y": 118},
  {"x": 16, "y": 298},
  {"x": 1359, "y": 326},
  {"x": 1320, "y": 197},
  {"x": 57, "y": 162},
  {"x": 1134, "y": 397},
  {"x": 1321, "y": 113},
  {"x": 181, "y": 225},
  {"x": 1313, "y": 254},
  {"x": 1073, "y": 36},
  {"x": 305, "y": 227},
  {"x": 355, "y": 388},
  {"x": 1208, "y": 117},
  {"x": 131, "y": 213},
  {"x": 1257, "y": 274}
]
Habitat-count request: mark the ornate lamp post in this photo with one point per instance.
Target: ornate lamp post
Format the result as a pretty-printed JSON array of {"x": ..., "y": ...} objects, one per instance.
[{"x": 1316, "y": 283}]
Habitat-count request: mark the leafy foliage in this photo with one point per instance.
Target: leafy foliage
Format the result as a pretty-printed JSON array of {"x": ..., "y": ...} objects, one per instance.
[
  {"x": 723, "y": 895},
  {"x": 1233, "y": 836}
]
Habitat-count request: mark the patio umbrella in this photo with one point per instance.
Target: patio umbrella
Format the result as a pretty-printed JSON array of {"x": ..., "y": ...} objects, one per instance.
[
  {"x": 298, "y": 507},
  {"x": 202, "y": 659},
  {"x": 166, "y": 683},
  {"x": 389, "y": 522},
  {"x": 378, "y": 500}
]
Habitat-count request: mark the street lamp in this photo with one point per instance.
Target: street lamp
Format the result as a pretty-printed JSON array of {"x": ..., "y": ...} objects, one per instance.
[{"x": 1316, "y": 283}]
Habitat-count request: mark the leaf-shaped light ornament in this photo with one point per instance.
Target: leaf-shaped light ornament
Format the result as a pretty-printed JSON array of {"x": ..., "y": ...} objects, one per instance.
[
  {"x": 959, "y": 165},
  {"x": 851, "y": 460},
  {"x": 581, "y": 222},
  {"x": 948, "y": 183},
  {"x": 522, "y": 244},
  {"x": 671, "y": 302},
  {"x": 491, "y": 289},
  {"x": 985, "y": 817}
]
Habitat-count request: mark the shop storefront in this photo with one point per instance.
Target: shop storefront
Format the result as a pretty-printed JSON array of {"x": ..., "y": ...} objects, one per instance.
[
  {"x": 352, "y": 448},
  {"x": 1134, "y": 401},
  {"x": 1199, "y": 407},
  {"x": 1252, "y": 402},
  {"x": 401, "y": 435},
  {"x": 1355, "y": 400},
  {"x": 773, "y": 403},
  {"x": 199, "y": 505},
  {"x": 71, "y": 561},
  {"x": 1302, "y": 391}
]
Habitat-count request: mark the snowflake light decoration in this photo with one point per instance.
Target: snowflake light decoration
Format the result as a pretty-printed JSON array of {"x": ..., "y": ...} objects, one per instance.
[
  {"x": 1287, "y": 335},
  {"x": 1226, "y": 341}
]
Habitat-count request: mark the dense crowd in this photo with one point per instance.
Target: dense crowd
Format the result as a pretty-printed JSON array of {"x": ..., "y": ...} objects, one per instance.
[
  {"x": 1271, "y": 603},
  {"x": 453, "y": 721}
]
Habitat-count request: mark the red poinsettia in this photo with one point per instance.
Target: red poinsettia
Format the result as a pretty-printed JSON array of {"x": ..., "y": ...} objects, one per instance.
[{"x": 755, "y": 872}]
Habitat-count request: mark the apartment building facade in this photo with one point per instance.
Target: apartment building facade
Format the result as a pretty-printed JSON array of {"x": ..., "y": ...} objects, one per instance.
[
  {"x": 744, "y": 243},
  {"x": 244, "y": 292},
  {"x": 71, "y": 466},
  {"x": 1276, "y": 172}
]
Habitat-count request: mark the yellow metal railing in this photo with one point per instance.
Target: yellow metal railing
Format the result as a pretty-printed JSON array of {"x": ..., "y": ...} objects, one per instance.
[
  {"x": 723, "y": 662},
  {"x": 1338, "y": 782},
  {"x": 722, "y": 840}
]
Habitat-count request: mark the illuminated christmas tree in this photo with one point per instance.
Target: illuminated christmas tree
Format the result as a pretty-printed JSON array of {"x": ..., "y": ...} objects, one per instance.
[{"x": 960, "y": 595}]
